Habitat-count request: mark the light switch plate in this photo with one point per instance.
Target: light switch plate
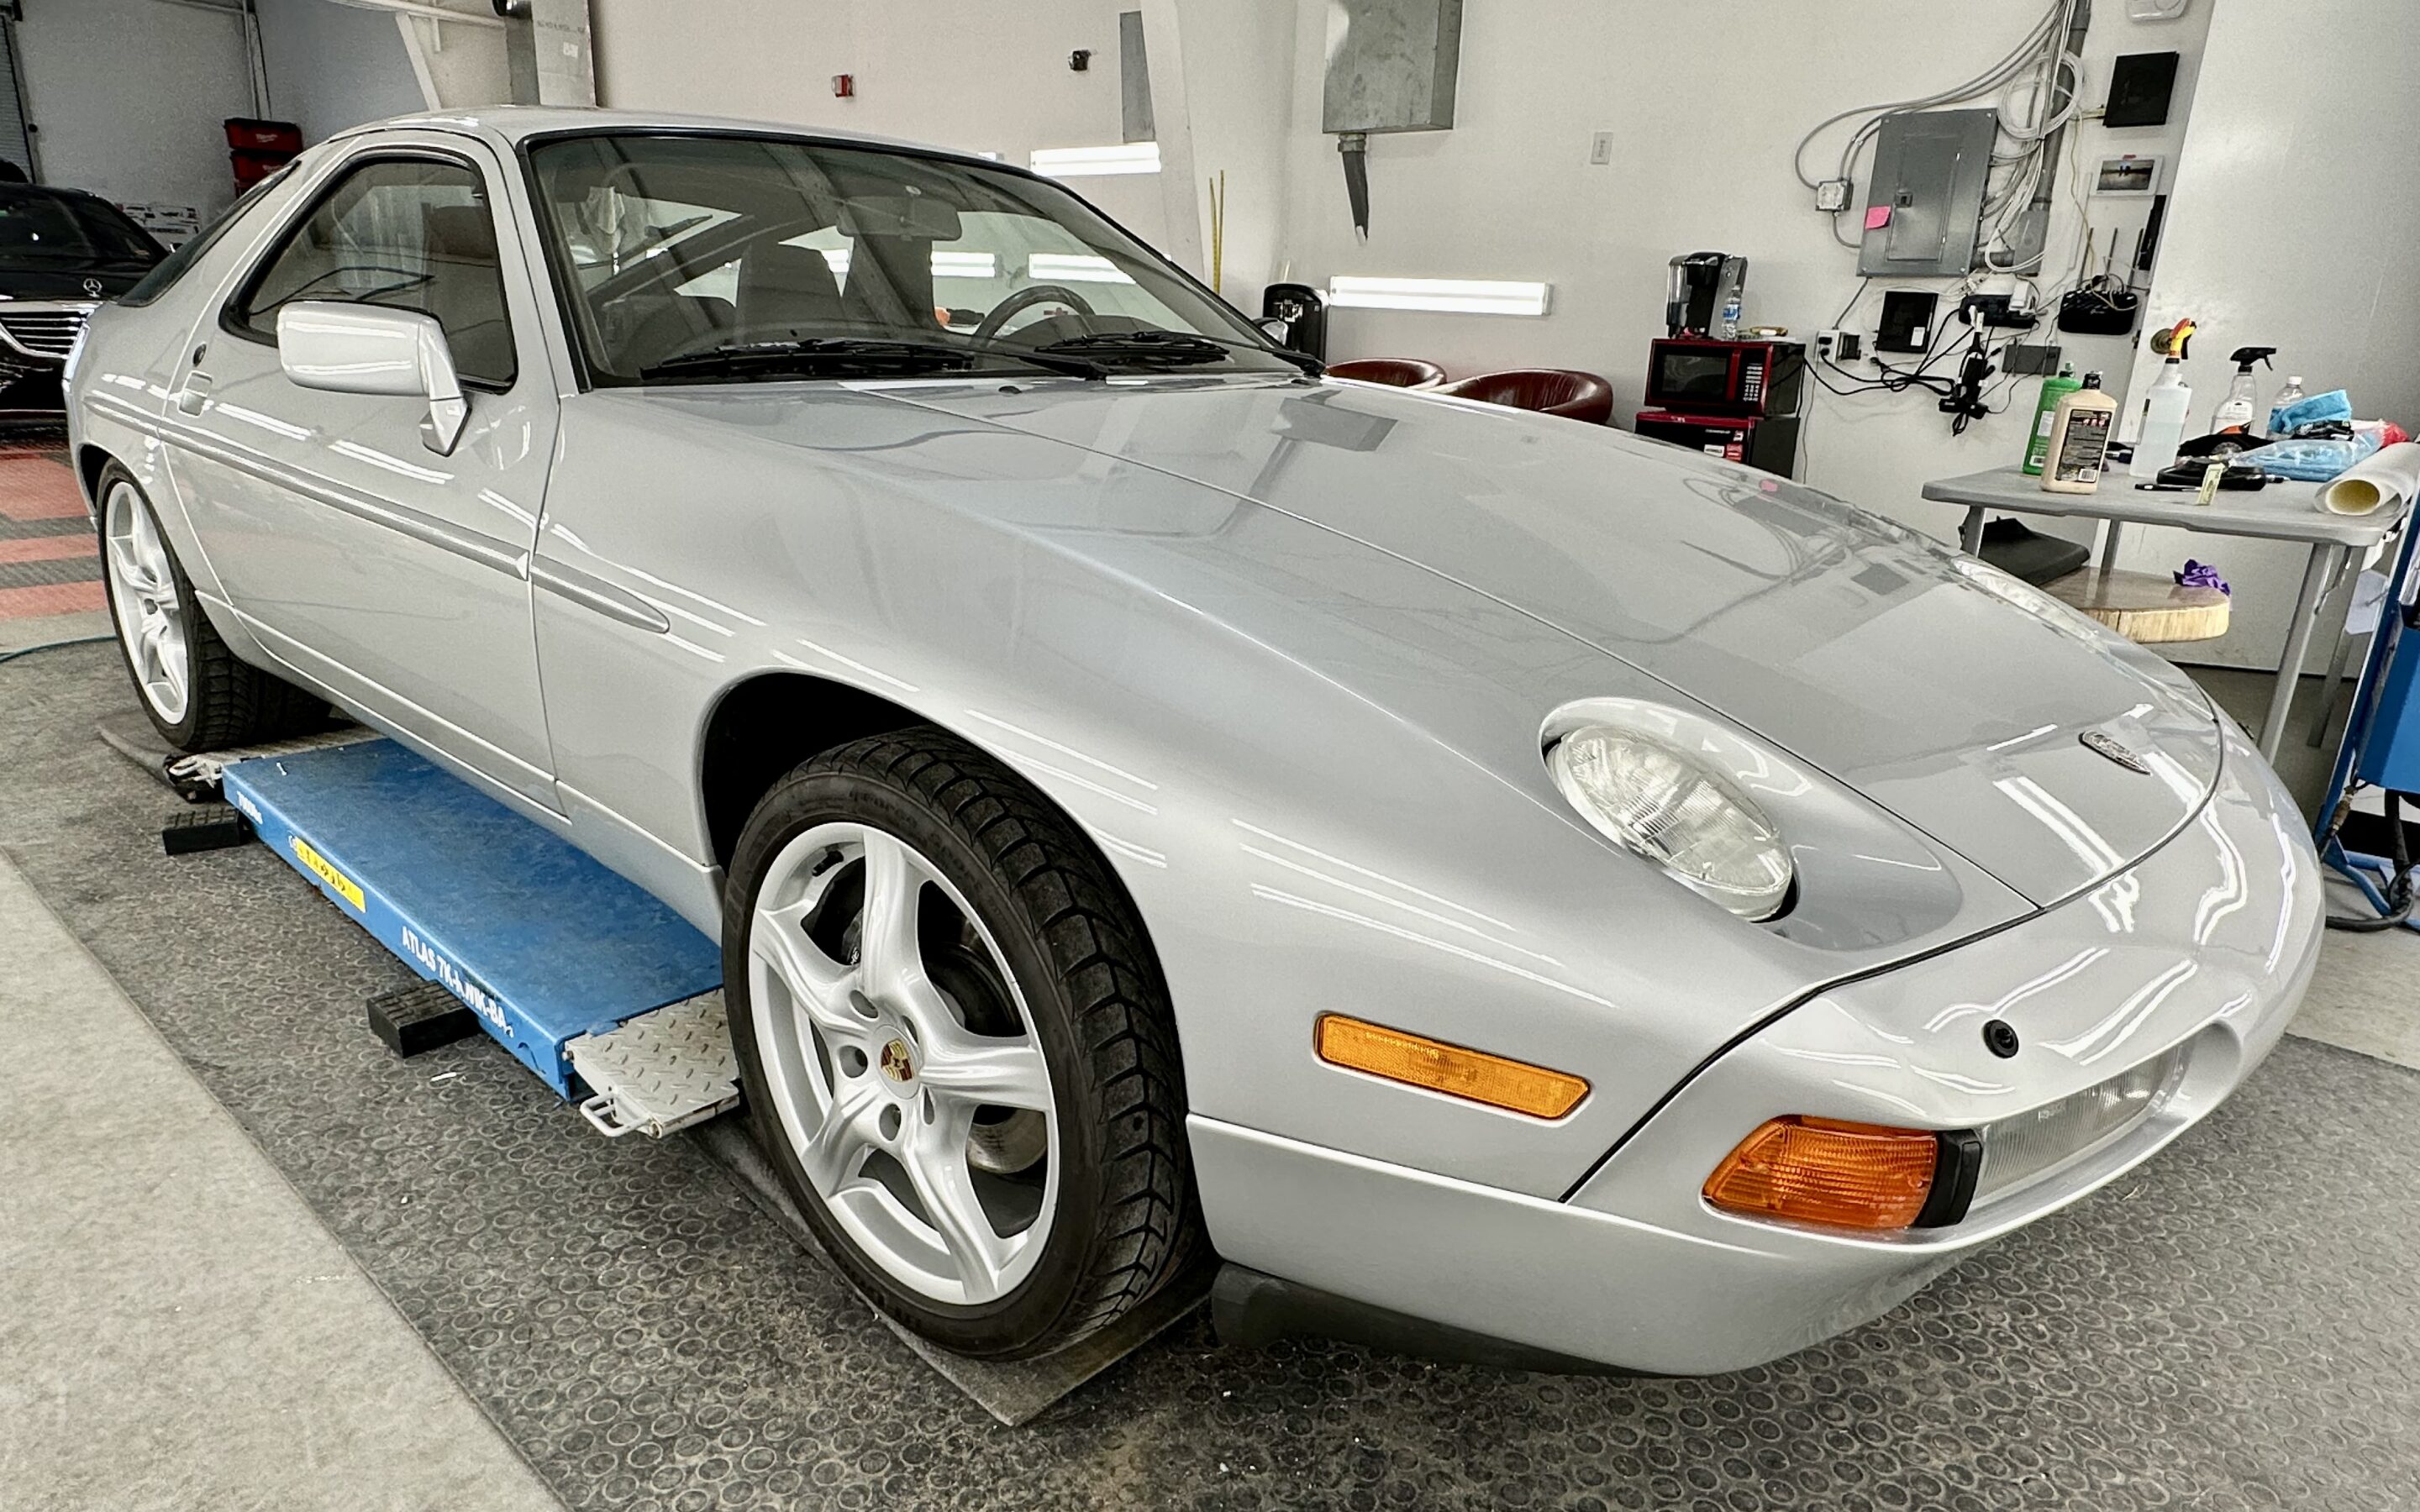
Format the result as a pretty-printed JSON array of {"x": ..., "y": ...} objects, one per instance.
[{"x": 1601, "y": 149}]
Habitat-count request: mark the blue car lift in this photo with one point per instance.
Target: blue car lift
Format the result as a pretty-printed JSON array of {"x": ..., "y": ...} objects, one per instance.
[
  {"x": 612, "y": 1000},
  {"x": 606, "y": 994},
  {"x": 2382, "y": 739}
]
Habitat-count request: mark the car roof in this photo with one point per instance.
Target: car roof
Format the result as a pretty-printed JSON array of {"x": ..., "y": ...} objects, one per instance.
[{"x": 511, "y": 124}]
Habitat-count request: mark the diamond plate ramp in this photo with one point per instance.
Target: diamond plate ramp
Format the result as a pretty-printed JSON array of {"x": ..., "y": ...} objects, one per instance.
[{"x": 659, "y": 1072}]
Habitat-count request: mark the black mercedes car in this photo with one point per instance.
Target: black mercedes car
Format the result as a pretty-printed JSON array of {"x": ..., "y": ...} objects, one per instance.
[{"x": 61, "y": 253}]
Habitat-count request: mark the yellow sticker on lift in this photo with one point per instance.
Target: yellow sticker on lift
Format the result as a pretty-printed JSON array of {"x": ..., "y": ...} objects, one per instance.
[{"x": 317, "y": 866}]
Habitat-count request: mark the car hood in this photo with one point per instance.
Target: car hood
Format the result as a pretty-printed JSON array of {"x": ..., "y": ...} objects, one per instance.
[
  {"x": 56, "y": 281},
  {"x": 1950, "y": 693}
]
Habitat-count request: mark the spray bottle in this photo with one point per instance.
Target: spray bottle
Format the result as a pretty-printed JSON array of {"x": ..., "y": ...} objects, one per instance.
[
  {"x": 2165, "y": 411},
  {"x": 2054, "y": 388},
  {"x": 2236, "y": 411}
]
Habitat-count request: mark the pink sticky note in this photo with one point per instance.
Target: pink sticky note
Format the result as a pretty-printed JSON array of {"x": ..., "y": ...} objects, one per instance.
[{"x": 1877, "y": 216}]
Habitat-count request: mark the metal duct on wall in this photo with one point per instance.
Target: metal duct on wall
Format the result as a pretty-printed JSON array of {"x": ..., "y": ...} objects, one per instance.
[
  {"x": 546, "y": 52},
  {"x": 1134, "y": 80},
  {"x": 1392, "y": 66}
]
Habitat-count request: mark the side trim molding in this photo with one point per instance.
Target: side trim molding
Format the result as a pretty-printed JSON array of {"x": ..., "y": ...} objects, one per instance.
[
  {"x": 513, "y": 562},
  {"x": 592, "y": 592}
]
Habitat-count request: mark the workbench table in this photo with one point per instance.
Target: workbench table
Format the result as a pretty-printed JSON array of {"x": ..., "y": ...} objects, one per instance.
[{"x": 2280, "y": 512}]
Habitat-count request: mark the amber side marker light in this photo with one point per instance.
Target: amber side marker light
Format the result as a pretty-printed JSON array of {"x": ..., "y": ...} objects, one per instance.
[
  {"x": 1822, "y": 1171},
  {"x": 1419, "y": 1061}
]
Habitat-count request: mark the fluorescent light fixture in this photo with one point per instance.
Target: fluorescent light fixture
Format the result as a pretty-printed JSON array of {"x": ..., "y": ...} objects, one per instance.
[
  {"x": 1083, "y": 162},
  {"x": 945, "y": 264},
  {"x": 1468, "y": 295},
  {"x": 1068, "y": 267}
]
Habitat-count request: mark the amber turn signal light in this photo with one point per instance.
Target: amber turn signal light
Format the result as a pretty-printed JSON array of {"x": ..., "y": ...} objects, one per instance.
[
  {"x": 1475, "y": 1074},
  {"x": 1822, "y": 1171}
]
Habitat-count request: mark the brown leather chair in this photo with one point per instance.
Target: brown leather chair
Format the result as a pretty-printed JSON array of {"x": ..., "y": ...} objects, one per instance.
[
  {"x": 1395, "y": 372},
  {"x": 1549, "y": 391}
]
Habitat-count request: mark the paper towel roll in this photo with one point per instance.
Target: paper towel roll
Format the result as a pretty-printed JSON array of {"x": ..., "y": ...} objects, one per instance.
[{"x": 2386, "y": 479}]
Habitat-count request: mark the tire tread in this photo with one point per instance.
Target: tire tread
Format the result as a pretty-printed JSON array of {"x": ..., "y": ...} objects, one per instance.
[
  {"x": 1147, "y": 1226},
  {"x": 229, "y": 702}
]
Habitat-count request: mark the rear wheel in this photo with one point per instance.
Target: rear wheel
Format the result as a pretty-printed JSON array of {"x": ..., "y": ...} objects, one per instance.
[
  {"x": 956, "y": 1048},
  {"x": 199, "y": 697}
]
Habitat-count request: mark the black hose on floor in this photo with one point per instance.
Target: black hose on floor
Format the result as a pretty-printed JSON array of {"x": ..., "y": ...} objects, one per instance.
[
  {"x": 53, "y": 645},
  {"x": 2399, "y": 888}
]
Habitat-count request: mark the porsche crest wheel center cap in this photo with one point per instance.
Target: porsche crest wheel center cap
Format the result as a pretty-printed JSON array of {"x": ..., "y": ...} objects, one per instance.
[{"x": 898, "y": 1063}]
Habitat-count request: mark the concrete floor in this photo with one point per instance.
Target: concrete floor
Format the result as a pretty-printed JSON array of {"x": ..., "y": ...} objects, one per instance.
[
  {"x": 179, "y": 1327},
  {"x": 179, "y": 1331}
]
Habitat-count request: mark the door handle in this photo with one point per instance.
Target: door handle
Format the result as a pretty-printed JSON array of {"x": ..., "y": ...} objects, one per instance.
[{"x": 195, "y": 393}]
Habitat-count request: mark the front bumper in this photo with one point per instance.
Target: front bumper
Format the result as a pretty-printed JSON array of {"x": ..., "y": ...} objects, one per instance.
[
  {"x": 35, "y": 338},
  {"x": 2207, "y": 945}
]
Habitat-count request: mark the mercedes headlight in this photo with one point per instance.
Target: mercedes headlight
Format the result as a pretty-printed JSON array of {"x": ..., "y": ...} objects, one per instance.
[{"x": 1660, "y": 802}]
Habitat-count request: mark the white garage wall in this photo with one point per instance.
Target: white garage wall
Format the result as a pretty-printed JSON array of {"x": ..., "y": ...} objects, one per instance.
[
  {"x": 332, "y": 66},
  {"x": 1706, "y": 100},
  {"x": 2295, "y": 226},
  {"x": 129, "y": 96},
  {"x": 1222, "y": 86},
  {"x": 974, "y": 75},
  {"x": 458, "y": 65}
]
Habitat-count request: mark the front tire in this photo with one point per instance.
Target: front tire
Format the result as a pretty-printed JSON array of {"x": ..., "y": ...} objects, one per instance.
[
  {"x": 198, "y": 696},
  {"x": 956, "y": 1048}
]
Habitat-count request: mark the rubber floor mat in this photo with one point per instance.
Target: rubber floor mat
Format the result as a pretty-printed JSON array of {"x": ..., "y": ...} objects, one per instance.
[{"x": 2234, "y": 1326}]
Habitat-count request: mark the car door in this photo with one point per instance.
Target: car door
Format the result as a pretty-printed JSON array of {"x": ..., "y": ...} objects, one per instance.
[{"x": 389, "y": 574}]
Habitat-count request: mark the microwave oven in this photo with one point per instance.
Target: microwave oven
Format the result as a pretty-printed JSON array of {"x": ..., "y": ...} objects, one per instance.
[{"x": 1702, "y": 375}]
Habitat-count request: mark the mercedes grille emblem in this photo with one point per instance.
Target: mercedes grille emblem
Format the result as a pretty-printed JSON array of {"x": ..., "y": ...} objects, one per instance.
[
  {"x": 2115, "y": 751},
  {"x": 92, "y": 288}
]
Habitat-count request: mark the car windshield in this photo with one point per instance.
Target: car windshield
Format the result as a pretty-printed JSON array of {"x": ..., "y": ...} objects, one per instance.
[
  {"x": 47, "y": 230},
  {"x": 725, "y": 258}
]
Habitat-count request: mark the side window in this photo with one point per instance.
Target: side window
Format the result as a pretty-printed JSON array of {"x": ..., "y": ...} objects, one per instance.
[
  {"x": 407, "y": 234},
  {"x": 163, "y": 275}
]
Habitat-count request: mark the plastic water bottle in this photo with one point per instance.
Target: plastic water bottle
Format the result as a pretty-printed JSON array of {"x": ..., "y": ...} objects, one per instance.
[
  {"x": 1728, "y": 327},
  {"x": 2288, "y": 396}
]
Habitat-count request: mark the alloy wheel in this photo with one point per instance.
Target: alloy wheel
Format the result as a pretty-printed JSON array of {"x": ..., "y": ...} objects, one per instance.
[
  {"x": 143, "y": 594},
  {"x": 902, "y": 1063}
]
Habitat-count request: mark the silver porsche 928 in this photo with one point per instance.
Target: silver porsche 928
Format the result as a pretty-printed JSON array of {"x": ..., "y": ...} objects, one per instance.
[{"x": 1531, "y": 887}]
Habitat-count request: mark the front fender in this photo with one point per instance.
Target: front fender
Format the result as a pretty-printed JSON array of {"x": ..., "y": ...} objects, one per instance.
[{"x": 1314, "y": 766}]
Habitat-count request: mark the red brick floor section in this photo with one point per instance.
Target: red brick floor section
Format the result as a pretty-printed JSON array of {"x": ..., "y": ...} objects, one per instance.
[
  {"x": 49, "y": 598},
  {"x": 46, "y": 549},
  {"x": 36, "y": 492},
  {"x": 37, "y": 488}
]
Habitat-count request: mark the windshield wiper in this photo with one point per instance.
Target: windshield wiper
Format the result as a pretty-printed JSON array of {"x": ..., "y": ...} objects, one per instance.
[
  {"x": 1181, "y": 347},
  {"x": 813, "y": 355}
]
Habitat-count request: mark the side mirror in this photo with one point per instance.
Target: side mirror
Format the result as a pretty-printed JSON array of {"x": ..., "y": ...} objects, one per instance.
[{"x": 368, "y": 348}]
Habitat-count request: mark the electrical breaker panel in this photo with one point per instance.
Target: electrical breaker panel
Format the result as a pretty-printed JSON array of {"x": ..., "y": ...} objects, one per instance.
[{"x": 1926, "y": 197}]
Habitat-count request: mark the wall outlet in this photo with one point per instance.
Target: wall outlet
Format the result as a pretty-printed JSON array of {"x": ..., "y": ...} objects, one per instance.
[
  {"x": 1600, "y": 150},
  {"x": 1831, "y": 194},
  {"x": 1840, "y": 346}
]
